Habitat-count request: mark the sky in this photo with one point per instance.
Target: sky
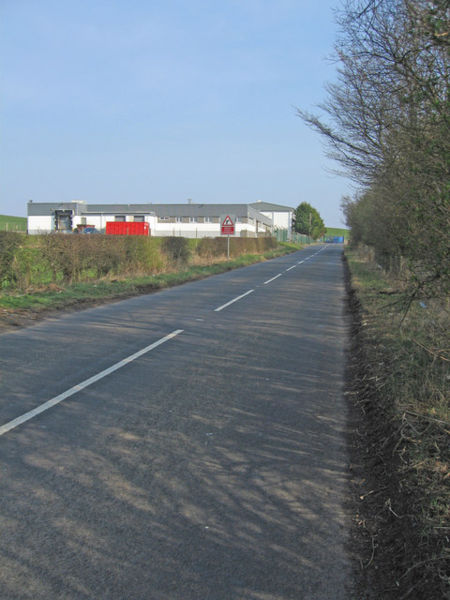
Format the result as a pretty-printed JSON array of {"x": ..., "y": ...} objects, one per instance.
[{"x": 137, "y": 101}]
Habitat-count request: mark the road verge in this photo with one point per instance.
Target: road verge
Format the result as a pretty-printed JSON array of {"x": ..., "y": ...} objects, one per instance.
[{"x": 397, "y": 382}]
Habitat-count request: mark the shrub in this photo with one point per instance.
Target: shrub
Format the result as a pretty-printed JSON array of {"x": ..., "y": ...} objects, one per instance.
[
  {"x": 176, "y": 249},
  {"x": 9, "y": 242},
  {"x": 215, "y": 247},
  {"x": 142, "y": 253},
  {"x": 29, "y": 266}
]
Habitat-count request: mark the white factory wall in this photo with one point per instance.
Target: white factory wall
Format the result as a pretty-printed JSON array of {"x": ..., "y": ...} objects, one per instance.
[
  {"x": 46, "y": 224},
  {"x": 99, "y": 221},
  {"x": 280, "y": 220},
  {"x": 36, "y": 225},
  {"x": 199, "y": 230}
]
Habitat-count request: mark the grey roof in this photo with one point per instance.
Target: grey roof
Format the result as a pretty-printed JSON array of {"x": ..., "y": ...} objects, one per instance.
[
  {"x": 208, "y": 210},
  {"x": 269, "y": 207},
  {"x": 161, "y": 210},
  {"x": 44, "y": 209},
  {"x": 112, "y": 209}
]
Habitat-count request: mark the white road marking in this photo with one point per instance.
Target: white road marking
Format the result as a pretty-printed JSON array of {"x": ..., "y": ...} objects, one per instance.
[
  {"x": 293, "y": 267},
  {"x": 301, "y": 262},
  {"x": 273, "y": 278},
  {"x": 84, "y": 384},
  {"x": 234, "y": 300}
]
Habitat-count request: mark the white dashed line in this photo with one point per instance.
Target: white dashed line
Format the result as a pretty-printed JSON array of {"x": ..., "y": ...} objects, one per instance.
[
  {"x": 273, "y": 278},
  {"x": 232, "y": 301},
  {"x": 293, "y": 267},
  {"x": 84, "y": 384}
]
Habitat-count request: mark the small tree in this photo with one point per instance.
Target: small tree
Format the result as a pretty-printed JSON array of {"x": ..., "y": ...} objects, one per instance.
[{"x": 308, "y": 221}]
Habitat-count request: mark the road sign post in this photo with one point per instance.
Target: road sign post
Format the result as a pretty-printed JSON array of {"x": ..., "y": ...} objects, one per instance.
[{"x": 227, "y": 227}]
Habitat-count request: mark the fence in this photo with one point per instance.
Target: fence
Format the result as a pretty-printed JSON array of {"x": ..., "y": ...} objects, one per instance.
[
  {"x": 13, "y": 226},
  {"x": 283, "y": 235}
]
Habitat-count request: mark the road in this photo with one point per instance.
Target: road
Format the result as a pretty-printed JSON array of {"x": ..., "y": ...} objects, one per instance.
[{"x": 195, "y": 448}]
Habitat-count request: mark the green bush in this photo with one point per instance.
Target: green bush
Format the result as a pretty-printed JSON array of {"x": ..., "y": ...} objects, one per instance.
[
  {"x": 142, "y": 253},
  {"x": 9, "y": 243},
  {"x": 176, "y": 249},
  {"x": 29, "y": 266}
]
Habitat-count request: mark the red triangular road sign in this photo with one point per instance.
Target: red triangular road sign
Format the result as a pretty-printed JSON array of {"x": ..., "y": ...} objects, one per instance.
[{"x": 227, "y": 221}]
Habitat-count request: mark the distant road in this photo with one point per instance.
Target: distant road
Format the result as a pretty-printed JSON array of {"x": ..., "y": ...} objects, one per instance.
[{"x": 185, "y": 445}]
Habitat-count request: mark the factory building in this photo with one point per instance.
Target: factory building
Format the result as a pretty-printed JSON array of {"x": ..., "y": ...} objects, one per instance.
[{"x": 185, "y": 220}]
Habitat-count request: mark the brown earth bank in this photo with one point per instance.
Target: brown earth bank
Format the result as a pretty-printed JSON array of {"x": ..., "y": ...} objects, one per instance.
[
  {"x": 16, "y": 318},
  {"x": 396, "y": 560}
]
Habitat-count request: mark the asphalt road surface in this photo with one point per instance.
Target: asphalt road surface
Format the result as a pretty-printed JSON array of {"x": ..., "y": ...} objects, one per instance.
[{"x": 185, "y": 445}]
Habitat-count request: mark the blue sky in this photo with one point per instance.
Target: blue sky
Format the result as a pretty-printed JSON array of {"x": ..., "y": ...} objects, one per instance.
[{"x": 161, "y": 101}]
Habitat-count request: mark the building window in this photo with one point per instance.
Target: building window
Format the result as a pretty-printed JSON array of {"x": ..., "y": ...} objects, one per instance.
[
  {"x": 120, "y": 218},
  {"x": 139, "y": 218}
]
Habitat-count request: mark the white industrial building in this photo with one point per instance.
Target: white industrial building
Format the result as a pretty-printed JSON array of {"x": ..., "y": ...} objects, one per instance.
[
  {"x": 282, "y": 217},
  {"x": 185, "y": 220}
]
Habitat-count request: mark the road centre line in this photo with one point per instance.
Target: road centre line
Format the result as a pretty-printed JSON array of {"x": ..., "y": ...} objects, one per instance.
[
  {"x": 84, "y": 384},
  {"x": 232, "y": 301},
  {"x": 273, "y": 278},
  {"x": 87, "y": 382}
]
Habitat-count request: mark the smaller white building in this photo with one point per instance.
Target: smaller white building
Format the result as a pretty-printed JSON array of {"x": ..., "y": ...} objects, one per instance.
[{"x": 282, "y": 217}]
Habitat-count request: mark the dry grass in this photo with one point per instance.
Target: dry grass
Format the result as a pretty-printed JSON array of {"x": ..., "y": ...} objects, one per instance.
[{"x": 399, "y": 379}]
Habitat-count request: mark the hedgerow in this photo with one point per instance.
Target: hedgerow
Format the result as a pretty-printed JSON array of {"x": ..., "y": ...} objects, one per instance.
[{"x": 65, "y": 259}]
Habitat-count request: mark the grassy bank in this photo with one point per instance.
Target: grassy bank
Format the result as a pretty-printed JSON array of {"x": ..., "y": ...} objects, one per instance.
[
  {"x": 337, "y": 231},
  {"x": 58, "y": 294},
  {"x": 8, "y": 223},
  {"x": 398, "y": 380}
]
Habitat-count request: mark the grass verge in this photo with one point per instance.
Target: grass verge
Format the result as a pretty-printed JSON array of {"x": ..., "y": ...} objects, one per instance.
[{"x": 398, "y": 379}]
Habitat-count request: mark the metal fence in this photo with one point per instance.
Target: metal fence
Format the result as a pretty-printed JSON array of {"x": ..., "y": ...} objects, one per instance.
[
  {"x": 11, "y": 226},
  {"x": 283, "y": 235}
]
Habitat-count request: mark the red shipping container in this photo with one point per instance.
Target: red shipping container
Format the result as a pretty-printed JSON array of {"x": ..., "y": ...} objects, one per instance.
[{"x": 127, "y": 228}]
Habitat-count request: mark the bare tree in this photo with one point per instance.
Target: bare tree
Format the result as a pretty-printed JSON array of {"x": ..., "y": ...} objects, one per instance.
[{"x": 386, "y": 121}]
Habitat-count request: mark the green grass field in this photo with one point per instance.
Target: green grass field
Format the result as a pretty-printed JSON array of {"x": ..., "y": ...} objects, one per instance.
[
  {"x": 335, "y": 231},
  {"x": 8, "y": 223}
]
